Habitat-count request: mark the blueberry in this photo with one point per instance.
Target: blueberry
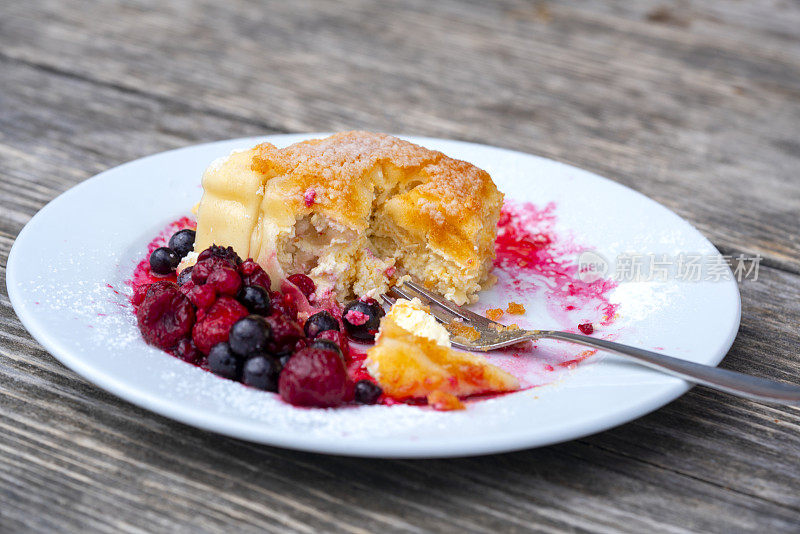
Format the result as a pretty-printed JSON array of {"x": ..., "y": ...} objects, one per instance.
[
  {"x": 185, "y": 275},
  {"x": 367, "y": 392},
  {"x": 249, "y": 335},
  {"x": 182, "y": 242},
  {"x": 327, "y": 344},
  {"x": 319, "y": 322},
  {"x": 223, "y": 362},
  {"x": 261, "y": 372},
  {"x": 163, "y": 260},
  {"x": 362, "y": 318},
  {"x": 255, "y": 299}
]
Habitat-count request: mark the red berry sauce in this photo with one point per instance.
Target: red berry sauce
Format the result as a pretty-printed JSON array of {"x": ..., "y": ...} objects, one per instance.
[{"x": 538, "y": 264}]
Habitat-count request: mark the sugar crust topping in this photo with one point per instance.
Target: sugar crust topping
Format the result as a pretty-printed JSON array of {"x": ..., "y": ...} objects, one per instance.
[{"x": 344, "y": 164}]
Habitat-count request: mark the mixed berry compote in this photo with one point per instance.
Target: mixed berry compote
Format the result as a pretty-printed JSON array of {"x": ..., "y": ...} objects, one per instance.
[{"x": 222, "y": 315}]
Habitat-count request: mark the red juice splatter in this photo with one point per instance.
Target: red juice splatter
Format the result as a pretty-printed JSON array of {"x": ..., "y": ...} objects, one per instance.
[{"x": 528, "y": 245}]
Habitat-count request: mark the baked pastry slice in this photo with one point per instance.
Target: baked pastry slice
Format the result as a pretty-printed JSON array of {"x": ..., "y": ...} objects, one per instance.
[
  {"x": 355, "y": 211},
  {"x": 412, "y": 358}
]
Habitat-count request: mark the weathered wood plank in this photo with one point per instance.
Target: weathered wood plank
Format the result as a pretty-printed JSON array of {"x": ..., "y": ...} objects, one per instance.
[
  {"x": 706, "y": 123},
  {"x": 681, "y": 111},
  {"x": 148, "y": 473}
]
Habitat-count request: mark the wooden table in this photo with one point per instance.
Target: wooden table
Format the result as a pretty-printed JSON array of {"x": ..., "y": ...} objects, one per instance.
[{"x": 695, "y": 104}]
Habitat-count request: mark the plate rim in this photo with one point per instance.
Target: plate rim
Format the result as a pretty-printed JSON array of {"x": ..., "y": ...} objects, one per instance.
[{"x": 428, "y": 448}]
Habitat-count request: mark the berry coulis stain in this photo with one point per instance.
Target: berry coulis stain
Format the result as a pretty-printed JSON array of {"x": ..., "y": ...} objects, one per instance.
[
  {"x": 537, "y": 264},
  {"x": 527, "y": 244}
]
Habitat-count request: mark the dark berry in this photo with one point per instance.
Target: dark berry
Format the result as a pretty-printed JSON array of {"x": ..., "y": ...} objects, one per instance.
[
  {"x": 586, "y": 328},
  {"x": 261, "y": 372},
  {"x": 185, "y": 276},
  {"x": 284, "y": 304},
  {"x": 225, "y": 253},
  {"x": 303, "y": 283},
  {"x": 224, "y": 362},
  {"x": 249, "y": 335},
  {"x": 285, "y": 333},
  {"x": 362, "y": 318},
  {"x": 159, "y": 286},
  {"x": 314, "y": 377},
  {"x": 165, "y": 316},
  {"x": 187, "y": 287},
  {"x": 327, "y": 344},
  {"x": 203, "y": 269},
  {"x": 163, "y": 260},
  {"x": 253, "y": 275},
  {"x": 139, "y": 293},
  {"x": 255, "y": 299},
  {"x": 216, "y": 323},
  {"x": 367, "y": 392},
  {"x": 201, "y": 296},
  {"x": 187, "y": 351},
  {"x": 320, "y": 322},
  {"x": 182, "y": 242},
  {"x": 225, "y": 280},
  {"x": 301, "y": 344},
  {"x": 335, "y": 337}
]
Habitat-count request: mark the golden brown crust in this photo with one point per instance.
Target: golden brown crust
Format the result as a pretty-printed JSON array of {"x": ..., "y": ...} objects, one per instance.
[{"x": 444, "y": 201}]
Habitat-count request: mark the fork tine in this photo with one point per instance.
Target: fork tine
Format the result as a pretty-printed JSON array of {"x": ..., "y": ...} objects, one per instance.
[
  {"x": 464, "y": 313},
  {"x": 388, "y": 299},
  {"x": 442, "y": 314}
]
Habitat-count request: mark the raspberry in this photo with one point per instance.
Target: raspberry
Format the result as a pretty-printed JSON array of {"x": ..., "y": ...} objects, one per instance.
[
  {"x": 314, "y": 377},
  {"x": 301, "y": 344},
  {"x": 159, "y": 286},
  {"x": 284, "y": 304},
  {"x": 186, "y": 287},
  {"x": 165, "y": 315},
  {"x": 202, "y": 296},
  {"x": 303, "y": 283},
  {"x": 249, "y": 267},
  {"x": 187, "y": 351},
  {"x": 216, "y": 323},
  {"x": 225, "y": 253},
  {"x": 285, "y": 333},
  {"x": 586, "y": 328},
  {"x": 253, "y": 275},
  {"x": 203, "y": 269},
  {"x": 226, "y": 280},
  {"x": 139, "y": 293}
]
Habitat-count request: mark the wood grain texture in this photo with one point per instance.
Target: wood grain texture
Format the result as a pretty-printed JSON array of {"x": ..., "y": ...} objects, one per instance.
[
  {"x": 675, "y": 111},
  {"x": 696, "y": 105}
]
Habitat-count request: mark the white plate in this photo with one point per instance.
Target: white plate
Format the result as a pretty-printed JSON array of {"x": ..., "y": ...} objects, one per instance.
[{"x": 90, "y": 238}]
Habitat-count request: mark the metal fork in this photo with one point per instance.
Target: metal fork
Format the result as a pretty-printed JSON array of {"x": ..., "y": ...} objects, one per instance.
[{"x": 493, "y": 336}]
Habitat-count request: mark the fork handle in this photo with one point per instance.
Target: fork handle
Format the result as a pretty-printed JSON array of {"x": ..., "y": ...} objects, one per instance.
[{"x": 751, "y": 387}]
